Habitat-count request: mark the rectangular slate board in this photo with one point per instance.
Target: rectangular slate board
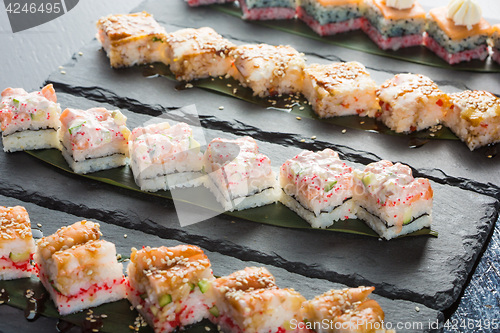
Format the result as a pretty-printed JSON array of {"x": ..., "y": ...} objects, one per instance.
[{"x": 424, "y": 270}]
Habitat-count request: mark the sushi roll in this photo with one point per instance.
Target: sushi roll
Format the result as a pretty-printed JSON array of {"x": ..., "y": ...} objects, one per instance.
[
  {"x": 78, "y": 269},
  {"x": 197, "y": 53},
  {"x": 169, "y": 286},
  {"x": 269, "y": 70},
  {"x": 458, "y": 32},
  {"x": 474, "y": 116},
  {"x": 340, "y": 89},
  {"x": 93, "y": 140},
  {"x": 196, "y": 3},
  {"x": 346, "y": 310},
  {"x": 318, "y": 186},
  {"x": 330, "y": 17},
  {"x": 248, "y": 301},
  {"x": 394, "y": 24},
  {"x": 411, "y": 102},
  {"x": 390, "y": 200},
  {"x": 267, "y": 9},
  {"x": 131, "y": 39},
  {"x": 495, "y": 43},
  {"x": 164, "y": 157},
  {"x": 16, "y": 243},
  {"x": 29, "y": 120},
  {"x": 238, "y": 175}
]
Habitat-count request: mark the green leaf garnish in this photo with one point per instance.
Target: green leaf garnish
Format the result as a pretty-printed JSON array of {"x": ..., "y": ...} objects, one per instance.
[{"x": 329, "y": 187}]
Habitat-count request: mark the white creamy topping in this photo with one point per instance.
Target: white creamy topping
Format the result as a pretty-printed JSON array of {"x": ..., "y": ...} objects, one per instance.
[
  {"x": 400, "y": 4},
  {"x": 464, "y": 12}
]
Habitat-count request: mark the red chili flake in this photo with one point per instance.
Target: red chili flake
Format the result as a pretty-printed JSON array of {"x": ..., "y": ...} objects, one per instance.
[{"x": 439, "y": 102}]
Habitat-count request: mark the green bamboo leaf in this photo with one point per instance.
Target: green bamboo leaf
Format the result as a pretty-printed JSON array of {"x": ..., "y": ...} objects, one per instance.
[
  {"x": 357, "y": 40},
  {"x": 275, "y": 214}
]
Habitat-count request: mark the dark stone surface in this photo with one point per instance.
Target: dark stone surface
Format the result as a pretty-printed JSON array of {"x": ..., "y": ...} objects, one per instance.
[
  {"x": 396, "y": 310},
  {"x": 428, "y": 270}
]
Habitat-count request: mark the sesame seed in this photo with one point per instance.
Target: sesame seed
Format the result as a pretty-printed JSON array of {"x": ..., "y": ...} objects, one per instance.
[
  {"x": 125, "y": 236},
  {"x": 80, "y": 53},
  {"x": 303, "y": 140},
  {"x": 63, "y": 72},
  {"x": 417, "y": 309},
  {"x": 298, "y": 118},
  {"x": 221, "y": 107},
  {"x": 344, "y": 131},
  {"x": 61, "y": 67},
  {"x": 189, "y": 85},
  {"x": 39, "y": 225},
  {"x": 313, "y": 137}
]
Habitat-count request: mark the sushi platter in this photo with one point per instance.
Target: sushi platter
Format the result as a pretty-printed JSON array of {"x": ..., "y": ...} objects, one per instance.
[{"x": 417, "y": 279}]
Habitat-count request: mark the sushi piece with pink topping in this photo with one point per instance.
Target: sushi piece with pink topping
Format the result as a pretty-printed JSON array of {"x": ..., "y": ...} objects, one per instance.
[
  {"x": 346, "y": 310},
  {"x": 267, "y": 9},
  {"x": 474, "y": 116},
  {"x": 330, "y": 17},
  {"x": 16, "y": 243},
  {"x": 248, "y": 301},
  {"x": 458, "y": 32},
  {"x": 196, "y": 3},
  {"x": 411, "y": 102},
  {"x": 394, "y": 24},
  {"x": 164, "y": 157},
  {"x": 269, "y": 70},
  {"x": 131, "y": 39},
  {"x": 340, "y": 89},
  {"x": 198, "y": 53},
  {"x": 78, "y": 269},
  {"x": 238, "y": 175},
  {"x": 318, "y": 186},
  {"x": 169, "y": 286},
  {"x": 29, "y": 120},
  {"x": 94, "y": 139},
  {"x": 391, "y": 201}
]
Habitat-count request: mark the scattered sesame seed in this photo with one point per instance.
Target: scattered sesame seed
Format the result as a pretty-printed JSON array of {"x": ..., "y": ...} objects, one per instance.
[
  {"x": 361, "y": 122},
  {"x": 125, "y": 236},
  {"x": 343, "y": 131},
  {"x": 303, "y": 140},
  {"x": 61, "y": 67},
  {"x": 189, "y": 85},
  {"x": 221, "y": 107},
  {"x": 63, "y": 72},
  {"x": 313, "y": 137},
  {"x": 80, "y": 53},
  {"x": 298, "y": 118},
  {"x": 301, "y": 108},
  {"x": 417, "y": 309},
  {"x": 39, "y": 225}
]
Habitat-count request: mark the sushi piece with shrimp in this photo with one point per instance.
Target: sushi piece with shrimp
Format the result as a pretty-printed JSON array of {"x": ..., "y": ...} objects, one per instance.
[
  {"x": 318, "y": 186},
  {"x": 391, "y": 201},
  {"x": 239, "y": 175},
  {"x": 248, "y": 301},
  {"x": 347, "y": 310},
  {"x": 269, "y": 70},
  {"x": 29, "y": 120},
  {"x": 94, "y": 139},
  {"x": 16, "y": 243},
  {"x": 164, "y": 157},
  {"x": 78, "y": 269},
  {"x": 131, "y": 39},
  {"x": 169, "y": 286}
]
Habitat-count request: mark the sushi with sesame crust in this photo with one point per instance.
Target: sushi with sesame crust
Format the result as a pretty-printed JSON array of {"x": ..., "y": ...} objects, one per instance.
[
  {"x": 340, "y": 89},
  {"x": 390, "y": 200},
  {"x": 78, "y": 269},
  {"x": 131, "y": 39},
  {"x": 169, "y": 286},
  {"x": 29, "y": 120},
  {"x": 392, "y": 28},
  {"x": 318, "y": 186},
  {"x": 411, "y": 102},
  {"x": 16, "y": 243},
  {"x": 474, "y": 116},
  {"x": 347, "y": 310},
  {"x": 248, "y": 301},
  {"x": 269, "y": 70},
  {"x": 197, "y": 53},
  {"x": 330, "y": 17}
]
